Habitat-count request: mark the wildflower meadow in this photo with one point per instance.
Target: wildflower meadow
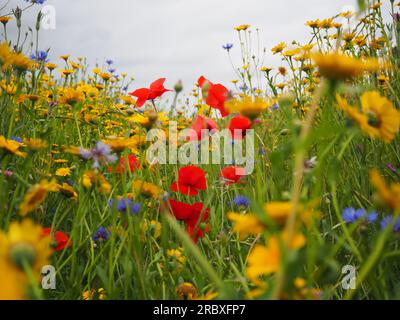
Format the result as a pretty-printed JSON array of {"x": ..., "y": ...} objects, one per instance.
[{"x": 281, "y": 184}]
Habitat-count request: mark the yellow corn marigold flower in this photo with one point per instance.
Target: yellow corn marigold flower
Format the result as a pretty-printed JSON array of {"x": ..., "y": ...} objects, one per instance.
[
  {"x": 93, "y": 178},
  {"x": 4, "y": 19},
  {"x": 63, "y": 172},
  {"x": 378, "y": 119},
  {"x": 92, "y": 294},
  {"x": 105, "y": 76},
  {"x": 326, "y": 23},
  {"x": 65, "y": 57},
  {"x": 35, "y": 144},
  {"x": 266, "y": 260},
  {"x": 6, "y": 55},
  {"x": 376, "y": 6},
  {"x": 292, "y": 52},
  {"x": 21, "y": 62},
  {"x": 36, "y": 196},
  {"x": 313, "y": 23},
  {"x": 247, "y": 106},
  {"x": 242, "y": 27},
  {"x": 66, "y": 72},
  {"x": 150, "y": 228},
  {"x": 146, "y": 189},
  {"x": 186, "y": 291},
  {"x": 119, "y": 144},
  {"x": 389, "y": 195},
  {"x": 72, "y": 150},
  {"x": 246, "y": 224},
  {"x": 11, "y": 146},
  {"x": 337, "y": 66},
  {"x": 177, "y": 254},
  {"x": 278, "y": 48},
  {"x": 71, "y": 96},
  {"x": 68, "y": 191},
  {"x": 282, "y": 71},
  {"x": 23, "y": 246},
  {"x": 51, "y": 66}
]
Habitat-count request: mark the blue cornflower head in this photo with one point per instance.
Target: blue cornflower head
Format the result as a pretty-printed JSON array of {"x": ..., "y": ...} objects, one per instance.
[
  {"x": 111, "y": 70},
  {"x": 17, "y": 139},
  {"x": 101, "y": 234},
  {"x": 388, "y": 220},
  {"x": 372, "y": 217},
  {"x": 351, "y": 215},
  {"x": 109, "y": 62},
  {"x": 125, "y": 88},
  {"x": 227, "y": 46},
  {"x": 100, "y": 154},
  {"x": 127, "y": 205},
  {"x": 36, "y": 1},
  {"x": 40, "y": 56},
  {"x": 241, "y": 201},
  {"x": 275, "y": 106}
]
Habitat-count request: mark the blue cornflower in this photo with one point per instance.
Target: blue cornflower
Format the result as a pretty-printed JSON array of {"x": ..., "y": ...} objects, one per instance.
[
  {"x": 111, "y": 70},
  {"x": 227, "y": 46},
  {"x": 125, "y": 88},
  {"x": 126, "y": 205},
  {"x": 36, "y": 1},
  {"x": 40, "y": 56},
  {"x": 388, "y": 220},
  {"x": 241, "y": 201},
  {"x": 275, "y": 107},
  {"x": 109, "y": 62},
  {"x": 372, "y": 217},
  {"x": 351, "y": 215},
  {"x": 17, "y": 139},
  {"x": 102, "y": 234}
]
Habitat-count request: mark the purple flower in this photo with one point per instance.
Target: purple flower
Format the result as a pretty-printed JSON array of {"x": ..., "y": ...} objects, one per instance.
[
  {"x": 111, "y": 70},
  {"x": 275, "y": 107},
  {"x": 109, "y": 62},
  {"x": 17, "y": 139},
  {"x": 372, "y": 217},
  {"x": 36, "y": 1},
  {"x": 391, "y": 167},
  {"x": 126, "y": 205},
  {"x": 388, "y": 220},
  {"x": 351, "y": 215},
  {"x": 40, "y": 56},
  {"x": 241, "y": 201},
  {"x": 100, "y": 154},
  {"x": 227, "y": 46},
  {"x": 102, "y": 234}
]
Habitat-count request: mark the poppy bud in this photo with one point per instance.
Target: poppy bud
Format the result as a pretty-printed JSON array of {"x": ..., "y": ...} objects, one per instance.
[
  {"x": 205, "y": 88},
  {"x": 178, "y": 87}
]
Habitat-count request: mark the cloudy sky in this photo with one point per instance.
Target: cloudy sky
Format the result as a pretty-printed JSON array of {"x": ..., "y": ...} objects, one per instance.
[{"x": 177, "y": 39}]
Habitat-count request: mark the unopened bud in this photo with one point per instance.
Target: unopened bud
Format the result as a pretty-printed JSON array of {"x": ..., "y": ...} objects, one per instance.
[{"x": 178, "y": 86}]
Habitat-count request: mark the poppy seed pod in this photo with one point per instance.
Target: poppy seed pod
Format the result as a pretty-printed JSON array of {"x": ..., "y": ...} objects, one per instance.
[{"x": 178, "y": 87}]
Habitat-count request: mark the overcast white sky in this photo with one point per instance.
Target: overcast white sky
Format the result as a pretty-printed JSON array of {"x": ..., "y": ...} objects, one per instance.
[{"x": 177, "y": 39}]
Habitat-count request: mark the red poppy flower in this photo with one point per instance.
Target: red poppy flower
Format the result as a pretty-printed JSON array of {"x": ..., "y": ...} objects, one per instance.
[
  {"x": 202, "y": 123},
  {"x": 216, "y": 95},
  {"x": 191, "y": 179},
  {"x": 194, "y": 216},
  {"x": 132, "y": 162},
  {"x": 241, "y": 123},
  {"x": 156, "y": 90},
  {"x": 60, "y": 239},
  {"x": 232, "y": 174}
]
